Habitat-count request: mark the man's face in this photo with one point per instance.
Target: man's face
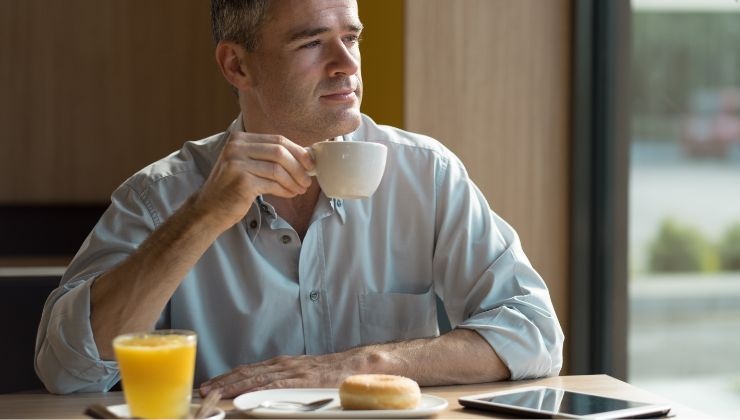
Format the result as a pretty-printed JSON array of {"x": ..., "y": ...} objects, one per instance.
[{"x": 306, "y": 70}]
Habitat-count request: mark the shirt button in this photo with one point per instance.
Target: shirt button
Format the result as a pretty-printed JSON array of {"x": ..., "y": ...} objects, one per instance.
[
  {"x": 339, "y": 203},
  {"x": 253, "y": 224},
  {"x": 314, "y": 296},
  {"x": 285, "y": 239}
]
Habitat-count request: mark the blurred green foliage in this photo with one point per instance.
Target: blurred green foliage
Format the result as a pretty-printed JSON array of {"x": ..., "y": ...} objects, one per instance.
[
  {"x": 679, "y": 248},
  {"x": 729, "y": 249}
]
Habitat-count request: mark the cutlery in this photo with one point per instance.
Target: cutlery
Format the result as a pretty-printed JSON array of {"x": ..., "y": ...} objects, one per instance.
[
  {"x": 281, "y": 405},
  {"x": 97, "y": 411},
  {"x": 208, "y": 404}
]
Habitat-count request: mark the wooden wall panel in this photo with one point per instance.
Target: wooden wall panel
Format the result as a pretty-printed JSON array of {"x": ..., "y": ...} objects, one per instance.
[
  {"x": 94, "y": 90},
  {"x": 490, "y": 79}
]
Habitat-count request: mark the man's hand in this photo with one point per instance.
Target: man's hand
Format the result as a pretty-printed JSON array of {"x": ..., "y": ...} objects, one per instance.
[
  {"x": 322, "y": 371},
  {"x": 458, "y": 357},
  {"x": 251, "y": 165}
]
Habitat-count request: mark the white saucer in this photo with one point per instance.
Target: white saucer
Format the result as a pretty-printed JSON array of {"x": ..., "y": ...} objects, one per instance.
[
  {"x": 121, "y": 410},
  {"x": 429, "y": 405}
]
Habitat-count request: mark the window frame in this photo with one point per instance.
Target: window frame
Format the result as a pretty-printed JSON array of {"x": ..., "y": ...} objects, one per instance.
[{"x": 598, "y": 315}]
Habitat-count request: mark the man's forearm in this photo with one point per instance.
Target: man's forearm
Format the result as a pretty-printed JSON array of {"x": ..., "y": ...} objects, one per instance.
[
  {"x": 441, "y": 360},
  {"x": 131, "y": 296}
]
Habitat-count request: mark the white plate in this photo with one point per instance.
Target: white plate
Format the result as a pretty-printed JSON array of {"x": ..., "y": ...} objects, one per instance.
[
  {"x": 429, "y": 405},
  {"x": 122, "y": 411}
]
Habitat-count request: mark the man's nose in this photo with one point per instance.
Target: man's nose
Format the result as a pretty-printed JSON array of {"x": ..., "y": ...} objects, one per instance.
[{"x": 344, "y": 60}]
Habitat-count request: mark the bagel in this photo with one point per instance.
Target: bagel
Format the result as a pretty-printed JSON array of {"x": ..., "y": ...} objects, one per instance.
[{"x": 379, "y": 392}]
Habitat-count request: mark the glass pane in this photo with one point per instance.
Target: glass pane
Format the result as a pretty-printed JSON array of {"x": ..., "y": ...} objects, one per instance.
[{"x": 684, "y": 238}]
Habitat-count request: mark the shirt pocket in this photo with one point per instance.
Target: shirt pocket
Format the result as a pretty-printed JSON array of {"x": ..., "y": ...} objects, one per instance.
[{"x": 397, "y": 316}]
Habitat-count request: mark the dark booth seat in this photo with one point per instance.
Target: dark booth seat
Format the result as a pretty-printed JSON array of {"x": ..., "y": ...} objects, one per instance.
[
  {"x": 36, "y": 241},
  {"x": 22, "y": 298}
]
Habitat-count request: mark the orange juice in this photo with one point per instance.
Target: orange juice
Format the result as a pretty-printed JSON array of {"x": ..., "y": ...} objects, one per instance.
[{"x": 157, "y": 372}]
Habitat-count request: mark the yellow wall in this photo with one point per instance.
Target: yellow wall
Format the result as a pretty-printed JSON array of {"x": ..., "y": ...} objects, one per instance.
[{"x": 382, "y": 50}]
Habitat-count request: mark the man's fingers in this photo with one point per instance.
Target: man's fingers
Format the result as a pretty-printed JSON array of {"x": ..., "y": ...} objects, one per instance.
[
  {"x": 254, "y": 383},
  {"x": 276, "y": 364},
  {"x": 295, "y": 159},
  {"x": 301, "y": 155},
  {"x": 299, "y": 152},
  {"x": 268, "y": 186},
  {"x": 280, "y": 372},
  {"x": 240, "y": 381},
  {"x": 274, "y": 172}
]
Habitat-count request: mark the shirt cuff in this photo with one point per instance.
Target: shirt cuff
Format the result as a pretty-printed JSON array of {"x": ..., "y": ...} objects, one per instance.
[
  {"x": 518, "y": 342},
  {"x": 70, "y": 342}
]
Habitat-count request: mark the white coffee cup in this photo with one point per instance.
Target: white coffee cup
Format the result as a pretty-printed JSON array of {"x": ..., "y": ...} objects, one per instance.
[{"x": 348, "y": 169}]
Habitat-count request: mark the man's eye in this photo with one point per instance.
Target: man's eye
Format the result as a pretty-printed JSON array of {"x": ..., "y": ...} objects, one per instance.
[
  {"x": 311, "y": 44},
  {"x": 352, "y": 39}
]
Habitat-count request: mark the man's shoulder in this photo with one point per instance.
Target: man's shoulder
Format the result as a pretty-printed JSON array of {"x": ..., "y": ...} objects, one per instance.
[
  {"x": 189, "y": 165},
  {"x": 403, "y": 140}
]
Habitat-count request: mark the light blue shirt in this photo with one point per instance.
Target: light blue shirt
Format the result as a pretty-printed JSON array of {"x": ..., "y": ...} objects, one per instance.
[{"x": 367, "y": 271}]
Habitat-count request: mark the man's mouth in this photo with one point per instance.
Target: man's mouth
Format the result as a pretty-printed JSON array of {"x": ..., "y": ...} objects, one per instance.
[{"x": 341, "y": 95}]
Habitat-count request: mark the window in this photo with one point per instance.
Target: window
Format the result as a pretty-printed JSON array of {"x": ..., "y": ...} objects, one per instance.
[{"x": 684, "y": 202}]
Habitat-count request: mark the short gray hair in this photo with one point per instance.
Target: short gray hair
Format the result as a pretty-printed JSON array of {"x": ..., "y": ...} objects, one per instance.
[{"x": 238, "y": 21}]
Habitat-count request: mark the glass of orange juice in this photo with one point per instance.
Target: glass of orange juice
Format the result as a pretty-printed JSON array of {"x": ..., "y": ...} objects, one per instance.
[{"x": 157, "y": 372}]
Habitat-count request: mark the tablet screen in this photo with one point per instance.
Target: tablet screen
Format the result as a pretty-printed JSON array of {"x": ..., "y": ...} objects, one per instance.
[
  {"x": 549, "y": 402},
  {"x": 559, "y": 401}
]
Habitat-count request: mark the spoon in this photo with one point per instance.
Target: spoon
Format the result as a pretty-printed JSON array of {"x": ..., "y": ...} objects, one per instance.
[
  {"x": 281, "y": 405},
  {"x": 295, "y": 405}
]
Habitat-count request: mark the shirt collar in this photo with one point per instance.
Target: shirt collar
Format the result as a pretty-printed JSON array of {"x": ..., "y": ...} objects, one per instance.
[
  {"x": 339, "y": 207},
  {"x": 238, "y": 124},
  {"x": 262, "y": 212}
]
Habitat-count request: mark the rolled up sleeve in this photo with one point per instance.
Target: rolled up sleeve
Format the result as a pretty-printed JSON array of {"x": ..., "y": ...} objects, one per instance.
[
  {"x": 487, "y": 283},
  {"x": 67, "y": 358},
  {"x": 525, "y": 334}
]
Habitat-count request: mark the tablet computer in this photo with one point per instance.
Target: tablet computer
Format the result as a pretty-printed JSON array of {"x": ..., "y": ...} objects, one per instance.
[{"x": 546, "y": 402}]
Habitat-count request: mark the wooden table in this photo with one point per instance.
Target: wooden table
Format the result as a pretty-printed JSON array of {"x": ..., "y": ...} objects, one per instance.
[{"x": 40, "y": 405}]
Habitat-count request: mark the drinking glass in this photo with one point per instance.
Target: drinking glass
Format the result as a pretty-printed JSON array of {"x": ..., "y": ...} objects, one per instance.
[{"x": 157, "y": 372}]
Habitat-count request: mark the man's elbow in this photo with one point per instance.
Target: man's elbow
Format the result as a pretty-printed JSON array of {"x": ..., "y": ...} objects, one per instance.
[
  {"x": 555, "y": 366},
  {"x": 57, "y": 379},
  {"x": 540, "y": 367},
  {"x": 547, "y": 361},
  {"x": 52, "y": 375},
  {"x": 53, "y": 380},
  {"x": 555, "y": 351}
]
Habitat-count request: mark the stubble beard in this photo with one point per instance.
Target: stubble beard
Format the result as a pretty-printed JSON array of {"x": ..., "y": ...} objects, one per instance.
[
  {"x": 313, "y": 120},
  {"x": 320, "y": 122},
  {"x": 340, "y": 120}
]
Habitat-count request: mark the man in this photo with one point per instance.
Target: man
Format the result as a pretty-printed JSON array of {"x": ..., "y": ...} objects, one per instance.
[{"x": 231, "y": 238}]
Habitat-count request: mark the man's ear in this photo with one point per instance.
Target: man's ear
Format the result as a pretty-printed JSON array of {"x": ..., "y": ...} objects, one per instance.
[{"x": 231, "y": 59}]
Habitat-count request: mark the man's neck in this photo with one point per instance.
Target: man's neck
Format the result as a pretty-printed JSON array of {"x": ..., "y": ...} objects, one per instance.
[
  {"x": 297, "y": 211},
  {"x": 260, "y": 123}
]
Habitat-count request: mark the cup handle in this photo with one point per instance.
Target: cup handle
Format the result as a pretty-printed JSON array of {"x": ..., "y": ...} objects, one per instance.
[{"x": 313, "y": 156}]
